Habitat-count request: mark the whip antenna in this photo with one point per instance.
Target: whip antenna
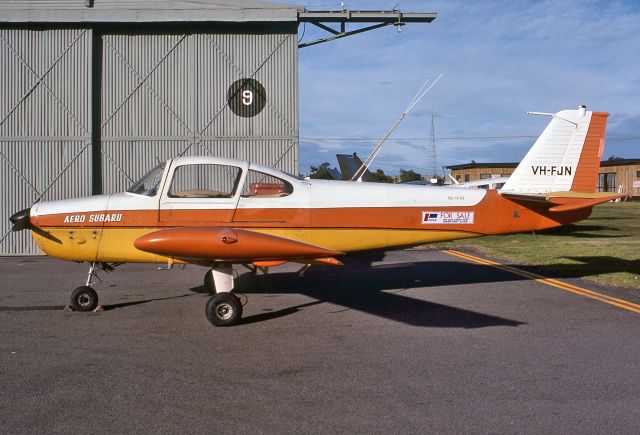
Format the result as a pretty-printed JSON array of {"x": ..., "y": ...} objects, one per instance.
[{"x": 421, "y": 93}]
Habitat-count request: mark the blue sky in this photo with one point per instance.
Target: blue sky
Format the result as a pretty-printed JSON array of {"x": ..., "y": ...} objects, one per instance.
[{"x": 499, "y": 59}]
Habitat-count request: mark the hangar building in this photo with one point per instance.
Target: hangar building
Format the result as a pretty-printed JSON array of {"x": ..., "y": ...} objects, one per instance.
[{"x": 93, "y": 93}]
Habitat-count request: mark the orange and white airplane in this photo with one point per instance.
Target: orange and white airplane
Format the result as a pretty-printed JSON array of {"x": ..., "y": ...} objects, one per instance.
[{"x": 217, "y": 212}]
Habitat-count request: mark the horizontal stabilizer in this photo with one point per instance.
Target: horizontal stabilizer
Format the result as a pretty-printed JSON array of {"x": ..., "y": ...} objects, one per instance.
[
  {"x": 228, "y": 244},
  {"x": 563, "y": 201}
]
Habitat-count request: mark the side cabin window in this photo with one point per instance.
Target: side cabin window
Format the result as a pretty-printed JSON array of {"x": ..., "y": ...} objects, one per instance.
[
  {"x": 204, "y": 181},
  {"x": 261, "y": 185}
]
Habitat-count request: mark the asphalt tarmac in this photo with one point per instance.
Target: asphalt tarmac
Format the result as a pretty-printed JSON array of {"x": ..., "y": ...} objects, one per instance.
[{"x": 402, "y": 342}]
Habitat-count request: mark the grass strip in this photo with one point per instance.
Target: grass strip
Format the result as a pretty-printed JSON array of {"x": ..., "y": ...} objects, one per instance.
[{"x": 604, "y": 248}]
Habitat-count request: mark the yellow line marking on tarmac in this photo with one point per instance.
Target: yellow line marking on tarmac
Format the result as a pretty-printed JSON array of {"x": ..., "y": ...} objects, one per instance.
[{"x": 630, "y": 306}]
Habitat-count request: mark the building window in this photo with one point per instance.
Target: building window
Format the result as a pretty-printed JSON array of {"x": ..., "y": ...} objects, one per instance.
[
  {"x": 638, "y": 174},
  {"x": 483, "y": 176},
  {"x": 607, "y": 182},
  {"x": 458, "y": 178},
  {"x": 467, "y": 177}
]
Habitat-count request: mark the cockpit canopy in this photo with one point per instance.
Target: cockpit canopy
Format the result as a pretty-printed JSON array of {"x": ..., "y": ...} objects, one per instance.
[{"x": 214, "y": 178}]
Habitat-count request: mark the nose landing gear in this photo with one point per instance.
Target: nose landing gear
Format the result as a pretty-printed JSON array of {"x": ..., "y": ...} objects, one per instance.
[{"x": 85, "y": 298}]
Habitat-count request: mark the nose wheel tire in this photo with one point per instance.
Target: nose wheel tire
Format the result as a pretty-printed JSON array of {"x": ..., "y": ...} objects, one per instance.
[
  {"x": 223, "y": 309},
  {"x": 84, "y": 299}
]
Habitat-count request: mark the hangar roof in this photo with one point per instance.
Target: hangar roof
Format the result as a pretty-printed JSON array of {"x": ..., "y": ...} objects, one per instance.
[
  {"x": 167, "y": 11},
  {"x": 73, "y": 11}
]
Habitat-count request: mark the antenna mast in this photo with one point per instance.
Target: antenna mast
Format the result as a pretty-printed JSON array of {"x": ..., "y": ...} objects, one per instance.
[
  {"x": 421, "y": 93},
  {"x": 432, "y": 163}
]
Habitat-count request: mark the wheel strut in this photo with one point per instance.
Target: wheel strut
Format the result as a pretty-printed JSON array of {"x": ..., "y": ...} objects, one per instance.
[
  {"x": 92, "y": 274},
  {"x": 85, "y": 298},
  {"x": 223, "y": 308}
]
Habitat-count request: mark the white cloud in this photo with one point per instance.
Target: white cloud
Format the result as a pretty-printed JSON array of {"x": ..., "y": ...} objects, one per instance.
[{"x": 500, "y": 59}]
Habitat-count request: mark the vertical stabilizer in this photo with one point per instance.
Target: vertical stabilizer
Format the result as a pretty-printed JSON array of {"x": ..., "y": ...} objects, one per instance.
[
  {"x": 566, "y": 156},
  {"x": 349, "y": 165}
]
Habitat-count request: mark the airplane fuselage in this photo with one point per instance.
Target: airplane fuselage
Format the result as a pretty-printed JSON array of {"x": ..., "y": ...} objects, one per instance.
[{"x": 342, "y": 216}]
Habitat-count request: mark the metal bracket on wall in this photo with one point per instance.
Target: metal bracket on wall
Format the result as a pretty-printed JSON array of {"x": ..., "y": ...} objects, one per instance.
[{"x": 382, "y": 18}]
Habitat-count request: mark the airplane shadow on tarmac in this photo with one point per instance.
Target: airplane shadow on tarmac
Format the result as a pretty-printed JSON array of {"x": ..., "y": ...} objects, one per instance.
[{"x": 376, "y": 290}]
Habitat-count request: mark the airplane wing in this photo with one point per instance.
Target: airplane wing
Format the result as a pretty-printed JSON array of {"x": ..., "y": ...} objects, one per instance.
[
  {"x": 234, "y": 245},
  {"x": 563, "y": 201}
]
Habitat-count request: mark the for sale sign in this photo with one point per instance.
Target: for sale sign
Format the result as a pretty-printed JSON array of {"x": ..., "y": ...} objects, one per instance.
[{"x": 447, "y": 217}]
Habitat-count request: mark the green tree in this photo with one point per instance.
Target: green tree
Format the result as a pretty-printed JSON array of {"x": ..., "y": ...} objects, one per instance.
[
  {"x": 321, "y": 172},
  {"x": 381, "y": 177},
  {"x": 410, "y": 175}
]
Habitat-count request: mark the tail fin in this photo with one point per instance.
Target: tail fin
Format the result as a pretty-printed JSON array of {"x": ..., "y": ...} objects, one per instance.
[
  {"x": 349, "y": 165},
  {"x": 566, "y": 156}
]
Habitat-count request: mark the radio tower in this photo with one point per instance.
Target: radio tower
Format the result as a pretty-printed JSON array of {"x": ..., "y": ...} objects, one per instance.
[{"x": 432, "y": 164}]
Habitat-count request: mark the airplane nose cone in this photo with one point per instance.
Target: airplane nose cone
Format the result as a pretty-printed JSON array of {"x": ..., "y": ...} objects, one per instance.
[{"x": 21, "y": 220}]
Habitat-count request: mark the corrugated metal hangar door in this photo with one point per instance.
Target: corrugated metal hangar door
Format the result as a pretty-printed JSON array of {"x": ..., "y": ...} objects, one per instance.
[
  {"x": 173, "y": 94},
  {"x": 161, "y": 95},
  {"x": 45, "y": 138}
]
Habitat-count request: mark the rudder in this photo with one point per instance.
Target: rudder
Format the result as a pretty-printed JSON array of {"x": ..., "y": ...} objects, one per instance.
[{"x": 586, "y": 178}]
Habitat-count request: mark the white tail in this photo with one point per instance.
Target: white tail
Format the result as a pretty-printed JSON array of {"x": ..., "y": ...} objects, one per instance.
[{"x": 566, "y": 156}]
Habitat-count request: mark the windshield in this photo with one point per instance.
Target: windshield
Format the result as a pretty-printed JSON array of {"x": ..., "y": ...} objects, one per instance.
[{"x": 148, "y": 185}]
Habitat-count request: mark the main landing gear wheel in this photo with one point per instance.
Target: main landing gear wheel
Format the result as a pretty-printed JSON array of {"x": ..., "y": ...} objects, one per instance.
[
  {"x": 223, "y": 309},
  {"x": 84, "y": 298}
]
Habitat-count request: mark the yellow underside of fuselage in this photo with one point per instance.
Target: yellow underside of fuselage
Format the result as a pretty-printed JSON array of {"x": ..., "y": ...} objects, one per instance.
[{"x": 115, "y": 245}]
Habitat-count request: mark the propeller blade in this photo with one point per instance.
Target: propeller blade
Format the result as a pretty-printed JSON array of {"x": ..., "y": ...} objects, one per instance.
[{"x": 21, "y": 220}]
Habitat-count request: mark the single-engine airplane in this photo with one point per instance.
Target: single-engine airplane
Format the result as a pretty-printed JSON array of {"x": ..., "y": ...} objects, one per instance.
[{"x": 217, "y": 212}]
